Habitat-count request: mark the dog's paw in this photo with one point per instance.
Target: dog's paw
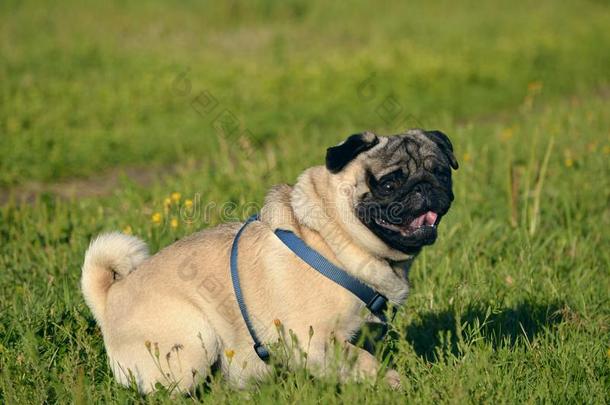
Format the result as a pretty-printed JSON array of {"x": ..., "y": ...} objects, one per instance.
[{"x": 393, "y": 379}]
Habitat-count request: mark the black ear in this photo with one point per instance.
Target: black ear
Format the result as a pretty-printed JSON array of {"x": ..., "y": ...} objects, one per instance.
[
  {"x": 339, "y": 156},
  {"x": 444, "y": 144}
]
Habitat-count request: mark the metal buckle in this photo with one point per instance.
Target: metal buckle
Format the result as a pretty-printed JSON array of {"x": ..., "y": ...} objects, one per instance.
[{"x": 377, "y": 304}]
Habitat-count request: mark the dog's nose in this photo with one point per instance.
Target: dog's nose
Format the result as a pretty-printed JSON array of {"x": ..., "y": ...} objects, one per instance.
[{"x": 424, "y": 190}]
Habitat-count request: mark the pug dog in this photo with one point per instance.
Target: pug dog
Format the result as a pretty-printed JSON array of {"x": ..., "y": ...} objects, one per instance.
[{"x": 170, "y": 318}]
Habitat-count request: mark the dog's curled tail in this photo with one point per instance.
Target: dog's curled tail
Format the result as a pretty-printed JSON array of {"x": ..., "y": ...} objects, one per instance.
[{"x": 110, "y": 257}]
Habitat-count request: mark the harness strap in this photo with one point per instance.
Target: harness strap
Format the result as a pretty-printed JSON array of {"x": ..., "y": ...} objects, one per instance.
[
  {"x": 260, "y": 350},
  {"x": 374, "y": 301}
]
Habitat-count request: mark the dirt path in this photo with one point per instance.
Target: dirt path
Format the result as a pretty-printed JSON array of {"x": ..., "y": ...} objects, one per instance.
[{"x": 96, "y": 186}]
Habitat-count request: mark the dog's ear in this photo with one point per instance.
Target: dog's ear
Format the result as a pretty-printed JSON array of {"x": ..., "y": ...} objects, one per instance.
[
  {"x": 444, "y": 144},
  {"x": 339, "y": 156}
]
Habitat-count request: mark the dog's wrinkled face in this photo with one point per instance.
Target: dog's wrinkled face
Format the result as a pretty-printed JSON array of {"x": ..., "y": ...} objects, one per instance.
[{"x": 407, "y": 184}]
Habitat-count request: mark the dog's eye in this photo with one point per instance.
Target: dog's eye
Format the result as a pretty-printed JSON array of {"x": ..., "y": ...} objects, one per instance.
[
  {"x": 388, "y": 186},
  {"x": 389, "y": 183}
]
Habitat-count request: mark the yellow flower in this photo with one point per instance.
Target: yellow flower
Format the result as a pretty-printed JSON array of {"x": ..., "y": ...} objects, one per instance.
[
  {"x": 467, "y": 157},
  {"x": 167, "y": 202},
  {"x": 127, "y": 230},
  {"x": 176, "y": 196},
  {"x": 606, "y": 150},
  {"x": 568, "y": 161},
  {"x": 229, "y": 353},
  {"x": 188, "y": 203},
  {"x": 608, "y": 352},
  {"x": 534, "y": 86},
  {"x": 156, "y": 218},
  {"x": 174, "y": 223},
  {"x": 506, "y": 134}
]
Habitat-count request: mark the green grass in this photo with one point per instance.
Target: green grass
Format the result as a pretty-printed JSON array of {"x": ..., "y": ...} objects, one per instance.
[
  {"x": 511, "y": 304},
  {"x": 91, "y": 87}
]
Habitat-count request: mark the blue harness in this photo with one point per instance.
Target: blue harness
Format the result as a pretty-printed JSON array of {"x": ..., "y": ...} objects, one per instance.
[{"x": 375, "y": 302}]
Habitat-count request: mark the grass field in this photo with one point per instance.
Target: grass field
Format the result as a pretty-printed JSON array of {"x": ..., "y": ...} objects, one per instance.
[{"x": 219, "y": 102}]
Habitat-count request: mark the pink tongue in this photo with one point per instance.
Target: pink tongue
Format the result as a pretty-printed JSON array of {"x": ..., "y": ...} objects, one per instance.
[{"x": 429, "y": 218}]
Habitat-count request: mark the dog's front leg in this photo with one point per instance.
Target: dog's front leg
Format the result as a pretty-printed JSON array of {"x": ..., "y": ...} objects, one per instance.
[
  {"x": 366, "y": 365},
  {"x": 351, "y": 363}
]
